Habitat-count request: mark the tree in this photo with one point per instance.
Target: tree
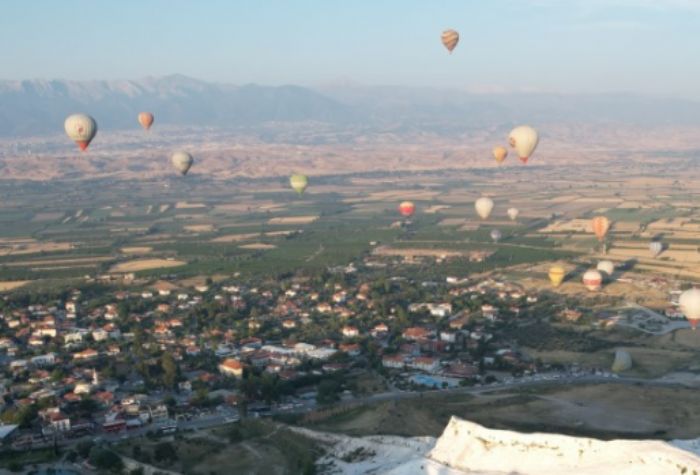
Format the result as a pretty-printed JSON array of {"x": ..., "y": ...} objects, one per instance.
[
  {"x": 170, "y": 370},
  {"x": 106, "y": 460},
  {"x": 328, "y": 392},
  {"x": 165, "y": 452}
]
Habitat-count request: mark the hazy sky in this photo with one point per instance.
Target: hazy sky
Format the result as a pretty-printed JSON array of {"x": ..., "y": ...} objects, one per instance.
[{"x": 648, "y": 46}]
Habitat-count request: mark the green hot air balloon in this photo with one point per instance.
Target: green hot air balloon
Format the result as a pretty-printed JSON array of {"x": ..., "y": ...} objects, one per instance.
[{"x": 299, "y": 183}]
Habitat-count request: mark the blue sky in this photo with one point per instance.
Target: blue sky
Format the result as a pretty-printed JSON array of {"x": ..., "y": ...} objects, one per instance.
[{"x": 644, "y": 46}]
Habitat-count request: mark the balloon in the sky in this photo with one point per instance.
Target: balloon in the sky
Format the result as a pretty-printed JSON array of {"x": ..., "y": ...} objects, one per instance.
[
  {"x": 496, "y": 235},
  {"x": 607, "y": 267},
  {"x": 513, "y": 213},
  {"x": 450, "y": 38},
  {"x": 500, "y": 153},
  {"x": 182, "y": 161},
  {"x": 407, "y": 208},
  {"x": 81, "y": 129},
  {"x": 593, "y": 280},
  {"x": 689, "y": 303},
  {"x": 299, "y": 183},
  {"x": 556, "y": 275},
  {"x": 483, "y": 207},
  {"x": 600, "y": 225},
  {"x": 524, "y": 140},
  {"x": 146, "y": 120},
  {"x": 656, "y": 247}
]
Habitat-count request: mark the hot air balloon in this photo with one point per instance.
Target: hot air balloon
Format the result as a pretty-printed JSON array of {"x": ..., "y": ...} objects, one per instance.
[
  {"x": 299, "y": 183},
  {"x": 606, "y": 267},
  {"x": 483, "y": 207},
  {"x": 592, "y": 280},
  {"x": 500, "y": 153},
  {"x": 656, "y": 247},
  {"x": 513, "y": 213},
  {"x": 81, "y": 129},
  {"x": 524, "y": 140},
  {"x": 600, "y": 225},
  {"x": 407, "y": 208},
  {"x": 556, "y": 275},
  {"x": 450, "y": 38},
  {"x": 689, "y": 303},
  {"x": 182, "y": 161},
  {"x": 146, "y": 120},
  {"x": 496, "y": 235}
]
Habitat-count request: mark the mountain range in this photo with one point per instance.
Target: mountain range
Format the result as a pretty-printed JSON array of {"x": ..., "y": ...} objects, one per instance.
[{"x": 36, "y": 107}]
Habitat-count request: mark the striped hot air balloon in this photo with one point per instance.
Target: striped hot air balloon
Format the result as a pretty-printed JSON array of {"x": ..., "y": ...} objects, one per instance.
[
  {"x": 593, "y": 280},
  {"x": 81, "y": 129},
  {"x": 450, "y": 38}
]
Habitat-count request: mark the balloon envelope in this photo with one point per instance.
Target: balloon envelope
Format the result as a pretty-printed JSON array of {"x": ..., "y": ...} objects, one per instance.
[
  {"x": 689, "y": 302},
  {"x": 80, "y": 128},
  {"x": 656, "y": 247},
  {"x": 496, "y": 235},
  {"x": 593, "y": 280},
  {"x": 556, "y": 275},
  {"x": 450, "y": 38},
  {"x": 500, "y": 153},
  {"x": 483, "y": 207},
  {"x": 607, "y": 267},
  {"x": 600, "y": 225},
  {"x": 407, "y": 208},
  {"x": 299, "y": 183},
  {"x": 524, "y": 140},
  {"x": 146, "y": 120},
  {"x": 182, "y": 161},
  {"x": 513, "y": 213}
]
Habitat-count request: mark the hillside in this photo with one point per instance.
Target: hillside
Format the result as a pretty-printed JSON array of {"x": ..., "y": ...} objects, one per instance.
[{"x": 471, "y": 449}]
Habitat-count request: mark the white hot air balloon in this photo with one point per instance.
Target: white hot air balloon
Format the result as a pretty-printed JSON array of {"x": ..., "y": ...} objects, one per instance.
[
  {"x": 81, "y": 129},
  {"x": 593, "y": 280},
  {"x": 689, "y": 303},
  {"x": 656, "y": 247},
  {"x": 606, "y": 267},
  {"x": 513, "y": 213},
  {"x": 483, "y": 207},
  {"x": 496, "y": 235},
  {"x": 182, "y": 161},
  {"x": 524, "y": 140}
]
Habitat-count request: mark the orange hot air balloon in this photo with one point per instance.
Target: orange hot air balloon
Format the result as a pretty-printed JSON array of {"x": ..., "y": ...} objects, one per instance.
[
  {"x": 500, "y": 153},
  {"x": 146, "y": 120},
  {"x": 450, "y": 38},
  {"x": 600, "y": 225},
  {"x": 407, "y": 208}
]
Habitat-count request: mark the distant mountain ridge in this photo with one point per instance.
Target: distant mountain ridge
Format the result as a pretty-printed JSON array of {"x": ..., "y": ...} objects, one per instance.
[{"x": 35, "y": 107}]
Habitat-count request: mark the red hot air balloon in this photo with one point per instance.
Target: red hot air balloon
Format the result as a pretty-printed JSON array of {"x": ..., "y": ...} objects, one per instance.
[
  {"x": 146, "y": 120},
  {"x": 407, "y": 209}
]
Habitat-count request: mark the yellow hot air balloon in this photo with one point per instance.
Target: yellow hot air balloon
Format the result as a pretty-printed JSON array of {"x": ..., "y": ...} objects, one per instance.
[
  {"x": 500, "y": 153},
  {"x": 80, "y": 128},
  {"x": 556, "y": 275},
  {"x": 299, "y": 183},
  {"x": 483, "y": 207},
  {"x": 146, "y": 120},
  {"x": 450, "y": 38},
  {"x": 524, "y": 140}
]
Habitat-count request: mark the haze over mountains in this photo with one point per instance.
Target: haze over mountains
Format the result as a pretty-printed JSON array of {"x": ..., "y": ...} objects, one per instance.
[{"x": 35, "y": 107}]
